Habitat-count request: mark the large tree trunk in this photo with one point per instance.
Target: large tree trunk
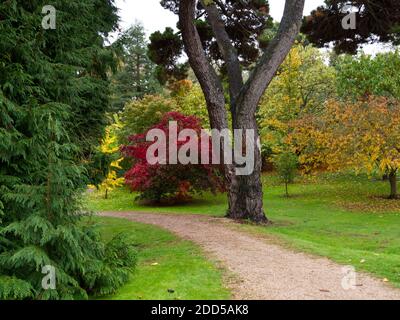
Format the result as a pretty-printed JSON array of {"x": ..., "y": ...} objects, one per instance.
[
  {"x": 393, "y": 185},
  {"x": 245, "y": 191},
  {"x": 246, "y": 194},
  {"x": 246, "y": 198}
]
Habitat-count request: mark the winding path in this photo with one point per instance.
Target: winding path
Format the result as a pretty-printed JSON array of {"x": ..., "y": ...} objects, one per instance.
[{"x": 263, "y": 270}]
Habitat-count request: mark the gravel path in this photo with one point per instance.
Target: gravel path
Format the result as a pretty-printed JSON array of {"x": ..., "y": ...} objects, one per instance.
[{"x": 263, "y": 270}]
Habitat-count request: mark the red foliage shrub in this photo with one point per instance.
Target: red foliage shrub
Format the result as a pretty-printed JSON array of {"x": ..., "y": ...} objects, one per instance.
[{"x": 175, "y": 182}]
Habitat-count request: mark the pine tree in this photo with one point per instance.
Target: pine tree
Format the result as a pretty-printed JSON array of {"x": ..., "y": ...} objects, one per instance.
[
  {"x": 137, "y": 74},
  {"x": 46, "y": 82},
  {"x": 246, "y": 23}
]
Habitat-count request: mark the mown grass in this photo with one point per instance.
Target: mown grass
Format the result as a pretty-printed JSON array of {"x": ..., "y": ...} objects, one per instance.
[
  {"x": 317, "y": 219},
  {"x": 123, "y": 200},
  {"x": 341, "y": 216},
  {"x": 168, "y": 268}
]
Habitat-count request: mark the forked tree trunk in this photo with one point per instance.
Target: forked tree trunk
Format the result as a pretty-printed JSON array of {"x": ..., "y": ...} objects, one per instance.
[
  {"x": 393, "y": 185},
  {"x": 245, "y": 192}
]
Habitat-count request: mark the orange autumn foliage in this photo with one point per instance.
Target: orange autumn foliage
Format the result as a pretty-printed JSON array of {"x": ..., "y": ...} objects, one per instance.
[{"x": 364, "y": 135}]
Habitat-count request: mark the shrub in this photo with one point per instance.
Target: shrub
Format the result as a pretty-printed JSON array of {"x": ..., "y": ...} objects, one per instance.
[
  {"x": 140, "y": 115},
  {"x": 190, "y": 101},
  {"x": 119, "y": 259},
  {"x": 174, "y": 182}
]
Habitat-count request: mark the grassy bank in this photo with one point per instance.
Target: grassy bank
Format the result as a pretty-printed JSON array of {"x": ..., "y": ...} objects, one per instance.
[{"x": 168, "y": 267}]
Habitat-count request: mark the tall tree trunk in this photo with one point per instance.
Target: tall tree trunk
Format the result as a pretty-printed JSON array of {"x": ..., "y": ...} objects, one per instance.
[
  {"x": 393, "y": 184},
  {"x": 205, "y": 73},
  {"x": 245, "y": 192},
  {"x": 287, "y": 189}
]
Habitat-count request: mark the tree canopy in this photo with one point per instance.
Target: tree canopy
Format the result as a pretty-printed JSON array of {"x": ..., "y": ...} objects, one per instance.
[
  {"x": 301, "y": 86},
  {"x": 366, "y": 75},
  {"x": 246, "y": 23},
  {"x": 376, "y": 21}
]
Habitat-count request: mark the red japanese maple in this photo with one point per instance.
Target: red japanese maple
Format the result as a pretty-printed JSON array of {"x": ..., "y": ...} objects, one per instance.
[{"x": 171, "y": 181}]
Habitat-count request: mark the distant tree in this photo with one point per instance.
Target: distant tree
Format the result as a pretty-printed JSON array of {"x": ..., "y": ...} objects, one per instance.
[
  {"x": 136, "y": 76},
  {"x": 165, "y": 49},
  {"x": 361, "y": 76},
  {"x": 110, "y": 147},
  {"x": 366, "y": 75},
  {"x": 286, "y": 164},
  {"x": 302, "y": 85},
  {"x": 376, "y": 21},
  {"x": 363, "y": 136}
]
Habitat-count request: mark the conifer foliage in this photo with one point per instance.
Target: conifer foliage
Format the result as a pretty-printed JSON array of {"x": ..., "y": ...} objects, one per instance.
[
  {"x": 41, "y": 172},
  {"x": 136, "y": 76},
  {"x": 376, "y": 21}
]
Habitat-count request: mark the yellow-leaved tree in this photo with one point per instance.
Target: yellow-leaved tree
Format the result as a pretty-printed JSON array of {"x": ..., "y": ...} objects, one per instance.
[
  {"x": 302, "y": 85},
  {"x": 364, "y": 136},
  {"x": 110, "y": 147}
]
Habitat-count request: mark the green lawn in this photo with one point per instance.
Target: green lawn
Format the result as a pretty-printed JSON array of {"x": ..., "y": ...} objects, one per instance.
[
  {"x": 343, "y": 217},
  {"x": 122, "y": 200},
  {"x": 165, "y": 263}
]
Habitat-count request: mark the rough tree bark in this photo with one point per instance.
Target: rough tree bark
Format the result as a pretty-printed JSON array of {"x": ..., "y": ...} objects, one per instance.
[
  {"x": 245, "y": 192},
  {"x": 393, "y": 185},
  {"x": 209, "y": 81}
]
